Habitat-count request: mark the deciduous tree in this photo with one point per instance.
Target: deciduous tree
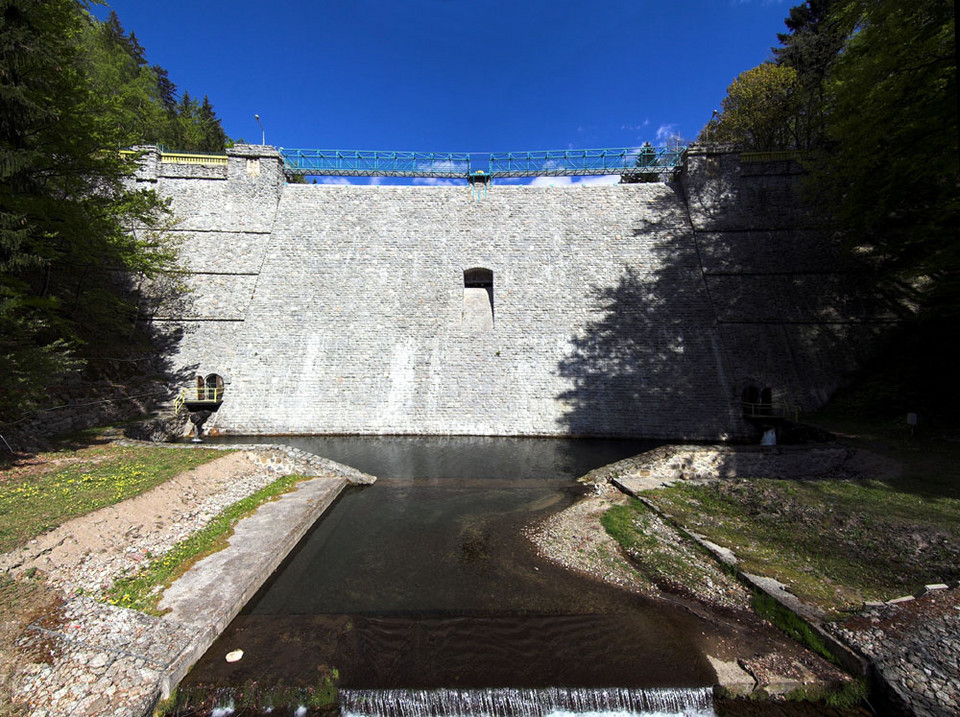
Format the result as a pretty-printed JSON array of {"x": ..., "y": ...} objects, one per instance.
[{"x": 760, "y": 110}]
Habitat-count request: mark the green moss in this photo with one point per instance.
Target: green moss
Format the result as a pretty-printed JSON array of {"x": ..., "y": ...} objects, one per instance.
[
  {"x": 844, "y": 695},
  {"x": 788, "y": 622}
]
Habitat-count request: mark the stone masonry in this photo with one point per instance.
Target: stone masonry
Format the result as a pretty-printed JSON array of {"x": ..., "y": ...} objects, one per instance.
[{"x": 630, "y": 309}]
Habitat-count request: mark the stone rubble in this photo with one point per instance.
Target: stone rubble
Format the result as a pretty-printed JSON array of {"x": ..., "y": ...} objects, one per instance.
[{"x": 913, "y": 646}]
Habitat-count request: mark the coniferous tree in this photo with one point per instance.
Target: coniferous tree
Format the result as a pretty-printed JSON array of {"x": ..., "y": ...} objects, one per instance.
[{"x": 810, "y": 48}]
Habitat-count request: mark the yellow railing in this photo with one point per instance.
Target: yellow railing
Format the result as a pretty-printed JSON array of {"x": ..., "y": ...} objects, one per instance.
[
  {"x": 770, "y": 410},
  {"x": 773, "y": 156},
  {"x": 198, "y": 394},
  {"x": 179, "y": 158},
  {"x": 185, "y": 158}
]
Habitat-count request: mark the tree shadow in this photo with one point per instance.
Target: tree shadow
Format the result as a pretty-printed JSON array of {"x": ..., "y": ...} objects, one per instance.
[
  {"x": 649, "y": 363},
  {"x": 701, "y": 318}
]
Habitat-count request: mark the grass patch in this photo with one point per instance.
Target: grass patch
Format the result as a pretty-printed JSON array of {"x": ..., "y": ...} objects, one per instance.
[
  {"x": 840, "y": 542},
  {"x": 659, "y": 553},
  {"x": 836, "y": 543},
  {"x": 142, "y": 590},
  {"x": 40, "y": 492}
]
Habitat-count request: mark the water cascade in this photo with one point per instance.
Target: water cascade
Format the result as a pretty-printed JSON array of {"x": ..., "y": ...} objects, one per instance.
[{"x": 690, "y": 702}]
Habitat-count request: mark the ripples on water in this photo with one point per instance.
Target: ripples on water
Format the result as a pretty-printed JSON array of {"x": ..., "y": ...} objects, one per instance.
[{"x": 424, "y": 583}]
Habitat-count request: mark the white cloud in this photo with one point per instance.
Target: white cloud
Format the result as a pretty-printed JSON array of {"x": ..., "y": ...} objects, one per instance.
[
  {"x": 551, "y": 181},
  {"x": 333, "y": 180},
  {"x": 666, "y": 131},
  {"x": 437, "y": 182},
  {"x": 605, "y": 179},
  {"x": 569, "y": 181}
]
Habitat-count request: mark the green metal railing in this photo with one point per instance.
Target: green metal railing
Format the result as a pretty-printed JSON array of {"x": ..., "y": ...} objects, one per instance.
[
  {"x": 362, "y": 163},
  {"x": 579, "y": 162},
  {"x": 464, "y": 165}
]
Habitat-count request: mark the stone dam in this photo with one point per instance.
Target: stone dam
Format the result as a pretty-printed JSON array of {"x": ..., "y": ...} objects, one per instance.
[{"x": 650, "y": 309}]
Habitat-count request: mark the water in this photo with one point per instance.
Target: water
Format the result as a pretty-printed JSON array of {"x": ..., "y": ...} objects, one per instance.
[
  {"x": 424, "y": 594},
  {"x": 554, "y": 702}
]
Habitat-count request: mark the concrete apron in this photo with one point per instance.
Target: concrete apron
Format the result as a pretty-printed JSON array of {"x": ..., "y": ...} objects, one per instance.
[{"x": 208, "y": 596}]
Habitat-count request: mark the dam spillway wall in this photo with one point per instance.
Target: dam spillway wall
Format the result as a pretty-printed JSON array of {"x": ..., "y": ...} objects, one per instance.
[{"x": 616, "y": 310}]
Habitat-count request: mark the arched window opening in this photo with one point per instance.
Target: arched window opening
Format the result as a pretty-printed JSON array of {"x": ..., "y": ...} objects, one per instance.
[
  {"x": 214, "y": 388},
  {"x": 478, "y": 298}
]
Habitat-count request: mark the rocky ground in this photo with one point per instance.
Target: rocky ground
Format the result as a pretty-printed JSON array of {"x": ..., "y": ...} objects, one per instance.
[
  {"x": 63, "y": 652},
  {"x": 914, "y": 646}
]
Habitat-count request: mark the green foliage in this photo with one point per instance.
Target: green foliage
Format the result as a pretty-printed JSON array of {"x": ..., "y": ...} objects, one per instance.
[
  {"x": 143, "y": 98},
  {"x": 891, "y": 179},
  {"x": 810, "y": 48},
  {"x": 760, "y": 111},
  {"x": 75, "y": 237}
]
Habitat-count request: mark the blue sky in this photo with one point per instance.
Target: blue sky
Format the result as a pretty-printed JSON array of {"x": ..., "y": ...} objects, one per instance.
[{"x": 457, "y": 75}]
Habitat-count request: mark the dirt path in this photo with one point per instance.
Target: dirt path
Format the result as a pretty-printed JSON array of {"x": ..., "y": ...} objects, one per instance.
[{"x": 87, "y": 553}]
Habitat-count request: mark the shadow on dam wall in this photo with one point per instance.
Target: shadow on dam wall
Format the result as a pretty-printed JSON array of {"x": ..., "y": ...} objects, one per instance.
[
  {"x": 673, "y": 345},
  {"x": 651, "y": 354}
]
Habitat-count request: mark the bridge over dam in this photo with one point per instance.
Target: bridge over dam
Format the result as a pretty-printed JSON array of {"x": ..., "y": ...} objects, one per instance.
[{"x": 673, "y": 310}]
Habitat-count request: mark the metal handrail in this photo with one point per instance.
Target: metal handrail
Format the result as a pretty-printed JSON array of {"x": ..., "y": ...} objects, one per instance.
[
  {"x": 200, "y": 394},
  {"x": 369, "y": 163},
  {"x": 577, "y": 162},
  {"x": 463, "y": 165},
  {"x": 770, "y": 410},
  {"x": 181, "y": 158}
]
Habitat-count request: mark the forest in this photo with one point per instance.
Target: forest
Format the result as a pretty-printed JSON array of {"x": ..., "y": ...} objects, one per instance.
[{"x": 76, "y": 241}]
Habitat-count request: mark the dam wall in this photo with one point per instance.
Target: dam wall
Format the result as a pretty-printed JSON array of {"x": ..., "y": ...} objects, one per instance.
[{"x": 614, "y": 310}]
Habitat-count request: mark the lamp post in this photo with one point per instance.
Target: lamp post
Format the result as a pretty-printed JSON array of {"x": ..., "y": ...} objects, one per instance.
[{"x": 263, "y": 135}]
